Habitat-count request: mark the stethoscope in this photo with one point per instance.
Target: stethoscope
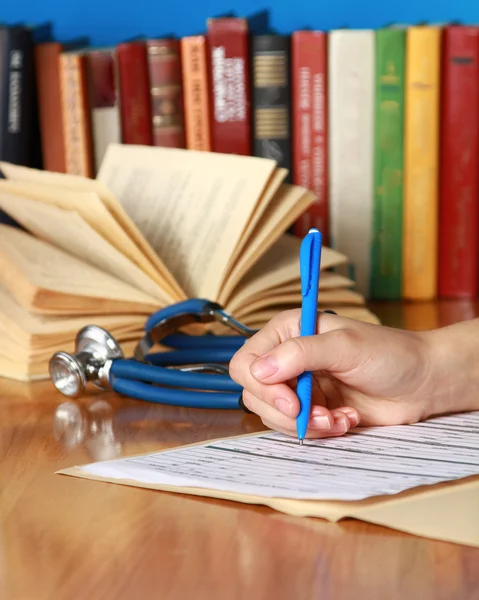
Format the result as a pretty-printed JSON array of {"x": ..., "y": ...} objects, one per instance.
[{"x": 191, "y": 372}]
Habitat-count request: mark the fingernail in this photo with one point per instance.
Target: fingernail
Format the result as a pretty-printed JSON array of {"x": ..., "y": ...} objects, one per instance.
[
  {"x": 341, "y": 425},
  {"x": 263, "y": 367},
  {"x": 353, "y": 417},
  {"x": 284, "y": 405},
  {"x": 320, "y": 422}
]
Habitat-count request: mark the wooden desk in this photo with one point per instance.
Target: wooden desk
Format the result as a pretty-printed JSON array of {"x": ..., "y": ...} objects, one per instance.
[{"x": 64, "y": 538}]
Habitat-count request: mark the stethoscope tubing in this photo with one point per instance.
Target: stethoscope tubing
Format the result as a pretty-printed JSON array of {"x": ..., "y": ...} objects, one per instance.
[
  {"x": 175, "y": 397},
  {"x": 125, "y": 369},
  {"x": 182, "y": 341},
  {"x": 175, "y": 358}
]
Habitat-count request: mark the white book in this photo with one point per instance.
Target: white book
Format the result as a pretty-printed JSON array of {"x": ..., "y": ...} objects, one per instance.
[
  {"x": 106, "y": 130},
  {"x": 351, "y": 135}
]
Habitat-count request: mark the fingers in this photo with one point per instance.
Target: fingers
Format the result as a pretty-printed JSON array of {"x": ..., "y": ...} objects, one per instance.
[
  {"x": 279, "y": 395},
  {"x": 278, "y": 342},
  {"x": 276, "y": 412},
  {"x": 336, "y": 351},
  {"x": 343, "y": 420},
  {"x": 283, "y": 327},
  {"x": 352, "y": 414},
  {"x": 340, "y": 427}
]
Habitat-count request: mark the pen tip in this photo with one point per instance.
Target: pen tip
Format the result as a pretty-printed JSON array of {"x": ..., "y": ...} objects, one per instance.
[{"x": 300, "y": 442}]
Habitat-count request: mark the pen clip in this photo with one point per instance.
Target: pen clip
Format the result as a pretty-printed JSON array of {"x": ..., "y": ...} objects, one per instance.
[{"x": 306, "y": 258}]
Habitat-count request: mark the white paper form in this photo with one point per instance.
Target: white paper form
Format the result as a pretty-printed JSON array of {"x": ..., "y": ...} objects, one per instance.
[{"x": 365, "y": 462}]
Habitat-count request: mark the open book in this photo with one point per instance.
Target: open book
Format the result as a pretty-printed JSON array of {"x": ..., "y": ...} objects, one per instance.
[{"x": 156, "y": 226}]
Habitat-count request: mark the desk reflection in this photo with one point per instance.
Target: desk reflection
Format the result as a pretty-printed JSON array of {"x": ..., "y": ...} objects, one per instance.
[
  {"x": 91, "y": 426},
  {"x": 108, "y": 426}
]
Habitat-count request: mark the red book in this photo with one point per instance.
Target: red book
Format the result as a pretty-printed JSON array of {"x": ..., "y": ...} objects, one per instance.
[
  {"x": 458, "y": 265},
  {"x": 134, "y": 85},
  {"x": 309, "y": 104},
  {"x": 230, "y": 86}
]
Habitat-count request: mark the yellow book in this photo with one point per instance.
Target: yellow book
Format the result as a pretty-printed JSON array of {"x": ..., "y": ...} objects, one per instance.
[{"x": 421, "y": 156}]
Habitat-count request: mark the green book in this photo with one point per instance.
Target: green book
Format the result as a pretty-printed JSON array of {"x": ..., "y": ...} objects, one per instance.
[{"x": 386, "y": 250}]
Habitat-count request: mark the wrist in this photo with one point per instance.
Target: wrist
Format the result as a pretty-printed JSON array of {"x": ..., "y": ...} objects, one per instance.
[{"x": 454, "y": 368}]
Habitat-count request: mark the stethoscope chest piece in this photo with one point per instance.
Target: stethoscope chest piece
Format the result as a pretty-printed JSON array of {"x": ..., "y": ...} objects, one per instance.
[{"x": 95, "y": 348}]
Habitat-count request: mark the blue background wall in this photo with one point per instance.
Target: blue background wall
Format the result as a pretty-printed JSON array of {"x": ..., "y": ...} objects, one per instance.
[{"x": 110, "y": 21}]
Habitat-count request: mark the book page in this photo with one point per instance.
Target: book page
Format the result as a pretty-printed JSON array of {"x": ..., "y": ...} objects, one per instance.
[
  {"x": 68, "y": 231},
  {"x": 31, "y": 330},
  {"x": 326, "y": 299},
  {"x": 259, "y": 318},
  {"x": 329, "y": 281},
  {"x": 250, "y": 294},
  {"x": 286, "y": 206},
  {"x": 16, "y": 350},
  {"x": 27, "y": 263},
  {"x": 280, "y": 265},
  {"x": 362, "y": 464},
  {"x": 144, "y": 254},
  {"x": 192, "y": 207},
  {"x": 89, "y": 206},
  {"x": 264, "y": 204}
]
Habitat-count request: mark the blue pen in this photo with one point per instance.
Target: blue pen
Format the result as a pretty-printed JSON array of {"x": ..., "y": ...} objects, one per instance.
[{"x": 309, "y": 264}]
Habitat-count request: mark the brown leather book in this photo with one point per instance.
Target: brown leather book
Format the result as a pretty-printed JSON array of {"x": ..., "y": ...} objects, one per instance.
[
  {"x": 166, "y": 90},
  {"x": 47, "y": 67}
]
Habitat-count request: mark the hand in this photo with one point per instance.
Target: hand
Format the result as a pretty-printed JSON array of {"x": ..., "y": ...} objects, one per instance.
[{"x": 363, "y": 373}]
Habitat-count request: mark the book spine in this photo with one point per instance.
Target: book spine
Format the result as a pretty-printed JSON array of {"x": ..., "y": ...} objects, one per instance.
[
  {"x": 458, "y": 271},
  {"x": 309, "y": 126},
  {"x": 76, "y": 115},
  {"x": 105, "y": 111},
  {"x": 271, "y": 99},
  {"x": 50, "y": 105},
  {"x": 166, "y": 93},
  {"x": 196, "y": 93},
  {"x": 229, "y": 85},
  {"x": 134, "y": 87},
  {"x": 18, "y": 91},
  {"x": 386, "y": 257},
  {"x": 421, "y": 157},
  {"x": 351, "y": 129}
]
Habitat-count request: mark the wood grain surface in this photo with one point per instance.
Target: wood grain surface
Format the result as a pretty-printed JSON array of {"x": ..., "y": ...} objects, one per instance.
[{"x": 66, "y": 538}]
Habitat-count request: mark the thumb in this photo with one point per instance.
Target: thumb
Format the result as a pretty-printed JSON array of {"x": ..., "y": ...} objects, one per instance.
[{"x": 336, "y": 351}]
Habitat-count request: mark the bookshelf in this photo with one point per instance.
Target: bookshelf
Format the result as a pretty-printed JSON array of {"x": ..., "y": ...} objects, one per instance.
[{"x": 388, "y": 143}]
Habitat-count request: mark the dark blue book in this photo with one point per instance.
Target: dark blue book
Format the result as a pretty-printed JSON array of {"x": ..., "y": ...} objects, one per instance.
[{"x": 271, "y": 98}]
